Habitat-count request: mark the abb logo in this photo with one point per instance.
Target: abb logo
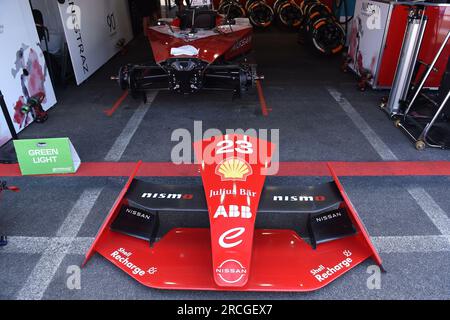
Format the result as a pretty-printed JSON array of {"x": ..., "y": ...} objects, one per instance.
[
  {"x": 233, "y": 212},
  {"x": 229, "y": 238}
]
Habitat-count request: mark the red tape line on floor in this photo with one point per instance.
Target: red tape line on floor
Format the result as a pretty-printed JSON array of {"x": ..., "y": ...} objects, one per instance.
[
  {"x": 116, "y": 105},
  {"x": 262, "y": 99},
  {"x": 167, "y": 169}
]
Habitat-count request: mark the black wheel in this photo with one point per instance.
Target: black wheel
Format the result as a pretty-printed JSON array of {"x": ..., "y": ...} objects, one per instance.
[
  {"x": 133, "y": 76},
  {"x": 277, "y": 4},
  {"x": 122, "y": 78},
  {"x": 327, "y": 36},
  {"x": 248, "y": 3},
  {"x": 420, "y": 145},
  {"x": 233, "y": 8},
  {"x": 260, "y": 14},
  {"x": 247, "y": 77},
  {"x": 290, "y": 15}
]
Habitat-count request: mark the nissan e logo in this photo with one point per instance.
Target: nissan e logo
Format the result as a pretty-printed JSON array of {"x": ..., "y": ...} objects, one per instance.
[{"x": 224, "y": 240}]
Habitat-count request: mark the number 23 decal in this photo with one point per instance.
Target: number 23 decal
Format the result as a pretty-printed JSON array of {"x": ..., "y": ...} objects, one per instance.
[{"x": 228, "y": 146}]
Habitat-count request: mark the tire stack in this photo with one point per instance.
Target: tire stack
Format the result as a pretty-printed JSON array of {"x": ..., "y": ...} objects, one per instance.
[
  {"x": 288, "y": 13},
  {"x": 232, "y": 8},
  {"x": 259, "y": 13},
  {"x": 321, "y": 28}
]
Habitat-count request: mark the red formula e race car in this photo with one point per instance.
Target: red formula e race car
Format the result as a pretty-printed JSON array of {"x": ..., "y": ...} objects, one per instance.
[
  {"x": 199, "y": 49},
  {"x": 142, "y": 237}
]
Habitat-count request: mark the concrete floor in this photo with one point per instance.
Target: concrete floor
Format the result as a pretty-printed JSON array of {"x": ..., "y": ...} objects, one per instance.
[{"x": 321, "y": 117}]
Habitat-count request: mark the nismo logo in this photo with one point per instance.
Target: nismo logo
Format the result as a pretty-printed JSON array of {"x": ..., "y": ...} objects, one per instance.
[
  {"x": 299, "y": 198},
  {"x": 177, "y": 196}
]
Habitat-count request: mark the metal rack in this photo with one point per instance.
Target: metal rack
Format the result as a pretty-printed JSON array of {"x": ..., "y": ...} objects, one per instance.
[
  {"x": 415, "y": 111},
  {"x": 404, "y": 73}
]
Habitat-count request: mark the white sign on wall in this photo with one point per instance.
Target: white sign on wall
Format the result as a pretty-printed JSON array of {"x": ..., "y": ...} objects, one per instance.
[
  {"x": 366, "y": 35},
  {"x": 23, "y": 72},
  {"x": 94, "y": 31}
]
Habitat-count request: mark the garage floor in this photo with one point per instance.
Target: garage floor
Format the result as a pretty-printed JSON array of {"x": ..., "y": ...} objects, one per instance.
[{"x": 321, "y": 117}]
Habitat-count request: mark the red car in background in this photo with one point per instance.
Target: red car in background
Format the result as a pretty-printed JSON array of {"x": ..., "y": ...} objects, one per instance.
[{"x": 199, "y": 49}]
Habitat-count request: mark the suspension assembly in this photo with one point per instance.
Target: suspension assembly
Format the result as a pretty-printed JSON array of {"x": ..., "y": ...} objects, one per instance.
[{"x": 186, "y": 75}]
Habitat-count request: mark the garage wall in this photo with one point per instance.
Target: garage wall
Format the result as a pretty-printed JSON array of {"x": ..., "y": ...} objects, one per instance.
[
  {"x": 52, "y": 20},
  {"x": 23, "y": 71},
  {"x": 50, "y": 11}
]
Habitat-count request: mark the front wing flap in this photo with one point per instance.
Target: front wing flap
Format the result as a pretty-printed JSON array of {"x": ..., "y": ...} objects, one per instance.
[{"x": 281, "y": 259}]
